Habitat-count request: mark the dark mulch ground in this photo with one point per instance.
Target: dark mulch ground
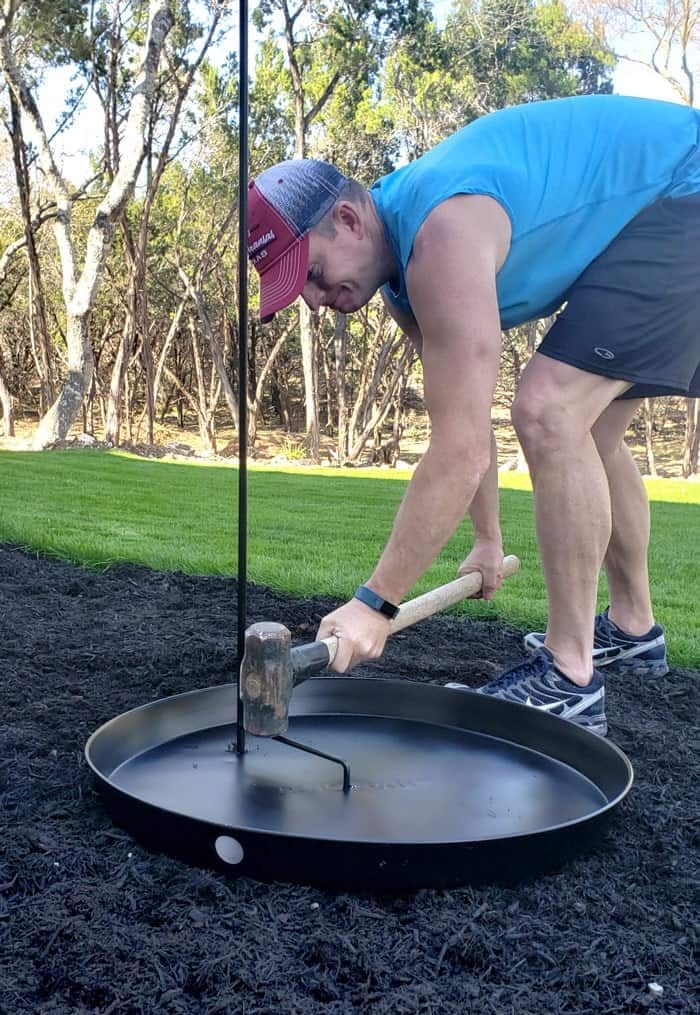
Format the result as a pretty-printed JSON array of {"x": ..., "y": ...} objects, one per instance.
[{"x": 91, "y": 922}]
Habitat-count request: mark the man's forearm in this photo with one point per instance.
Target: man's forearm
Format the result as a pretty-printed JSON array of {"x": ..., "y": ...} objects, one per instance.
[
  {"x": 484, "y": 508},
  {"x": 437, "y": 499}
]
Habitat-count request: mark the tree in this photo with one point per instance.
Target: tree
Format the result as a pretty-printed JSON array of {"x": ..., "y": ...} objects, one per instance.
[
  {"x": 327, "y": 45},
  {"x": 79, "y": 289},
  {"x": 170, "y": 96},
  {"x": 424, "y": 97},
  {"x": 661, "y": 34},
  {"x": 520, "y": 51}
]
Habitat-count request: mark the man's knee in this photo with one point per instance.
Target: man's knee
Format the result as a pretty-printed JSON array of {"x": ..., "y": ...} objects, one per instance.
[
  {"x": 557, "y": 405},
  {"x": 543, "y": 424}
]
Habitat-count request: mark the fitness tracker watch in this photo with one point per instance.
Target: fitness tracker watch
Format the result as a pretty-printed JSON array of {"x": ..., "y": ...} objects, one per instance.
[{"x": 375, "y": 602}]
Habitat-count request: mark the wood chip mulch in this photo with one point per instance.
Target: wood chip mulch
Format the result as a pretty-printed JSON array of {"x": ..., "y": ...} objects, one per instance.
[{"x": 91, "y": 922}]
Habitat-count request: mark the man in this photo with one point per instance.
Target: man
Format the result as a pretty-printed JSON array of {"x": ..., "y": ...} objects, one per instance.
[{"x": 592, "y": 202}]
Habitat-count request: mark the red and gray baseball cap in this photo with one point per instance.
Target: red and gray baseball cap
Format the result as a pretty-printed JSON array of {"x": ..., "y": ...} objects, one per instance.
[{"x": 284, "y": 203}]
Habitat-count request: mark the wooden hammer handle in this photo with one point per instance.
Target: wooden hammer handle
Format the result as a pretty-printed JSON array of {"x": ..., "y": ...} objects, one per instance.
[
  {"x": 319, "y": 654},
  {"x": 444, "y": 596}
]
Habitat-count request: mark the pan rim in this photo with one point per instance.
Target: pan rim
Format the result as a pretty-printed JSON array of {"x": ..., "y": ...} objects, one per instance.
[{"x": 620, "y": 757}]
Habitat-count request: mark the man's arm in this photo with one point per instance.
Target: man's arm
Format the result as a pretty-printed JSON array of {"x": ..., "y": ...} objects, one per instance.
[
  {"x": 452, "y": 287},
  {"x": 486, "y": 555}
]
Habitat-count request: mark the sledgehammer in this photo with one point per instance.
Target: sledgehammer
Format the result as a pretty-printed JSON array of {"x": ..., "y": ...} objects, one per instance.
[{"x": 271, "y": 668}]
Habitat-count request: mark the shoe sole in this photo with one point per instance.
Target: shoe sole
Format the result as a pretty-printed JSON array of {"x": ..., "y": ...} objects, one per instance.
[
  {"x": 600, "y": 729},
  {"x": 636, "y": 667}
]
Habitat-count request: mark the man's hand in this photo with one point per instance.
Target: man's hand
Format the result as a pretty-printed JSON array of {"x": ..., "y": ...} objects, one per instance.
[
  {"x": 361, "y": 634},
  {"x": 487, "y": 557}
]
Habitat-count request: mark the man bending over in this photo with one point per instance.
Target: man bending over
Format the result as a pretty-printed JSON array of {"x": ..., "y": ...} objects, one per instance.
[{"x": 588, "y": 203}]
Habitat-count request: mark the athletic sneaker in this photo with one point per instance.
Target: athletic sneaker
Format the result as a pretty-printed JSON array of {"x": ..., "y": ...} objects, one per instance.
[
  {"x": 626, "y": 654},
  {"x": 538, "y": 683}
]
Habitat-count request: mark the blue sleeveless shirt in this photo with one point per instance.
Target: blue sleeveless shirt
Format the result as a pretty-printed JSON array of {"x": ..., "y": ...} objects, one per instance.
[{"x": 570, "y": 174}]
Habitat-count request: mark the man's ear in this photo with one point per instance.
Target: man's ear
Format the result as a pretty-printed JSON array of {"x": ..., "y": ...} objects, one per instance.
[{"x": 346, "y": 216}]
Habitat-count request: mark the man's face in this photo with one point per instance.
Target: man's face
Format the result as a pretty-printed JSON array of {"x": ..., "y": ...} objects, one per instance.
[{"x": 341, "y": 268}]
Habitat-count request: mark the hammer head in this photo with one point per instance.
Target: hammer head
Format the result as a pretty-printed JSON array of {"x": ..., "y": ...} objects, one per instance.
[{"x": 266, "y": 679}]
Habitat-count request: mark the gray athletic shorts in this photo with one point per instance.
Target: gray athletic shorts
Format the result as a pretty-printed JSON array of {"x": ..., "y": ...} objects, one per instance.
[{"x": 634, "y": 314}]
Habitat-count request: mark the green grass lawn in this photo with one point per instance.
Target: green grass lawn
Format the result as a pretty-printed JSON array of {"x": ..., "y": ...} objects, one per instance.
[{"x": 310, "y": 531}]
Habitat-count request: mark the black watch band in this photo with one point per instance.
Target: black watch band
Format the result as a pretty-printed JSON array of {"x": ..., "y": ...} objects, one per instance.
[{"x": 375, "y": 602}]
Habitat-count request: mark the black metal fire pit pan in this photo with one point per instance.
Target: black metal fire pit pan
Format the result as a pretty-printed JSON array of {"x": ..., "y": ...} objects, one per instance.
[{"x": 447, "y": 787}]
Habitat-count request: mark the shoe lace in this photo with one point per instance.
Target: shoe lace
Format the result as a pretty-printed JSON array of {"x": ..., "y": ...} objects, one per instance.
[{"x": 536, "y": 666}]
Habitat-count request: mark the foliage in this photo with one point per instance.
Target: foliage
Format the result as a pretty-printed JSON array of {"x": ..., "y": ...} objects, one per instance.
[
  {"x": 664, "y": 35},
  {"x": 520, "y": 51},
  {"x": 57, "y": 31}
]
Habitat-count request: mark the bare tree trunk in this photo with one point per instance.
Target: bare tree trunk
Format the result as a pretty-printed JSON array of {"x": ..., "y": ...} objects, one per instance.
[
  {"x": 202, "y": 419},
  {"x": 79, "y": 291},
  {"x": 44, "y": 402},
  {"x": 7, "y": 408},
  {"x": 648, "y": 413},
  {"x": 691, "y": 441},
  {"x": 303, "y": 119},
  {"x": 172, "y": 331},
  {"x": 146, "y": 348},
  {"x": 382, "y": 344},
  {"x": 328, "y": 400},
  {"x": 57, "y": 422},
  {"x": 307, "y": 339},
  {"x": 279, "y": 392},
  {"x": 256, "y": 403},
  {"x": 197, "y": 298},
  {"x": 113, "y": 412},
  {"x": 89, "y": 406},
  {"x": 398, "y": 423},
  {"x": 183, "y": 85},
  {"x": 340, "y": 340},
  {"x": 41, "y": 349},
  {"x": 127, "y": 407},
  {"x": 381, "y": 410},
  {"x": 203, "y": 414}
]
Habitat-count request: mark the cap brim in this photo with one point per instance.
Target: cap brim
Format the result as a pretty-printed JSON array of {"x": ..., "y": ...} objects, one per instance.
[{"x": 285, "y": 280}]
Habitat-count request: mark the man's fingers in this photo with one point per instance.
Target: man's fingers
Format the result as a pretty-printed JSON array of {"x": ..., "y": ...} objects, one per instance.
[
  {"x": 490, "y": 585},
  {"x": 491, "y": 580},
  {"x": 467, "y": 569},
  {"x": 343, "y": 654},
  {"x": 470, "y": 569},
  {"x": 361, "y": 634},
  {"x": 343, "y": 657},
  {"x": 349, "y": 652}
]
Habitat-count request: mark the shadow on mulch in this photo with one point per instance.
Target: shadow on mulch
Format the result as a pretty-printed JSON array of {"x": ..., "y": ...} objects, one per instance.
[{"x": 90, "y": 922}]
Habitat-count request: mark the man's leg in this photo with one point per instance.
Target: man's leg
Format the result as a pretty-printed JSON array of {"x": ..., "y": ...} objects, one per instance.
[
  {"x": 554, "y": 414},
  {"x": 626, "y": 558}
]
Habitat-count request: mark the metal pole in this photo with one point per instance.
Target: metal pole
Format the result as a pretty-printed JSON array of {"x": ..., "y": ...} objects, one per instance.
[{"x": 242, "y": 356}]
